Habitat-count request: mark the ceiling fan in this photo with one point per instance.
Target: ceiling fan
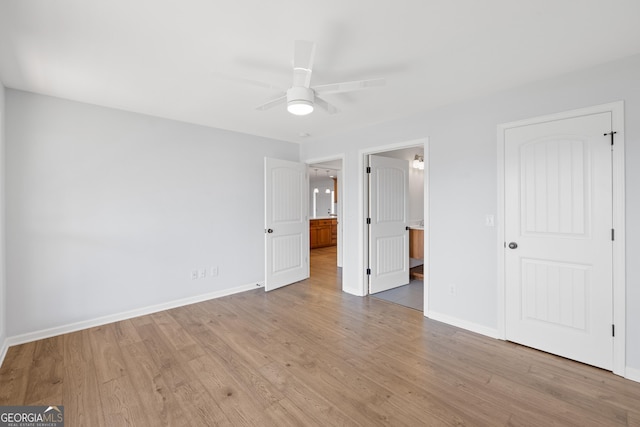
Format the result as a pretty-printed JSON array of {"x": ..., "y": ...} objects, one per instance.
[{"x": 301, "y": 97}]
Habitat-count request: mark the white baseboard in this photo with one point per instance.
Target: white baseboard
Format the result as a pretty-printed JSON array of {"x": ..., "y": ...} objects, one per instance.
[
  {"x": 354, "y": 291},
  {"x": 464, "y": 324},
  {"x": 85, "y": 324},
  {"x": 632, "y": 374}
]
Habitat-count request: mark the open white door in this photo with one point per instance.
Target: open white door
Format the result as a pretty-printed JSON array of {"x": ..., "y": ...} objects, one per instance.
[
  {"x": 286, "y": 223},
  {"x": 388, "y": 234},
  {"x": 558, "y": 231}
]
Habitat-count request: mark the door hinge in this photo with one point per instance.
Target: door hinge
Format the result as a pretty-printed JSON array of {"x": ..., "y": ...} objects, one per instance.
[
  {"x": 613, "y": 330},
  {"x": 611, "y": 133},
  {"x": 368, "y": 272},
  {"x": 613, "y": 234},
  {"x": 368, "y": 169},
  {"x": 368, "y": 220}
]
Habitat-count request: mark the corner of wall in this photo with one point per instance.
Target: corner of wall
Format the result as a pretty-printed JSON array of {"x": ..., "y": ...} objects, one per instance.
[
  {"x": 632, "y": 374},
  {"x": 4, "y": 347},
  {"x": 3, "y": 283}
]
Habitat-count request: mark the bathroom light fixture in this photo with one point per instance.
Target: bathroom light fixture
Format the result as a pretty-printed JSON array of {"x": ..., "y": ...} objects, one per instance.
[
  {"x": 418, "y": 162},
  {"x": 327, "y": 191}
]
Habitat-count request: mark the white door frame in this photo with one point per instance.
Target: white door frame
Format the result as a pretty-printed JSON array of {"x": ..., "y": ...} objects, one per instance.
[
  {"x": 362, "y": 209},
  {"x": 619, "y": 282}
]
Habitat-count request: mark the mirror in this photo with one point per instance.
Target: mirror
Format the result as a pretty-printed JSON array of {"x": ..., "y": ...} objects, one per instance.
[{"x": 323, "y": 190}]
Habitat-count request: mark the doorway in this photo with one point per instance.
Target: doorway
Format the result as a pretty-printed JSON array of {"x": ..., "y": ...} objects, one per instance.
[
  {"x": 412, "y": 293},
  {"x": 325, "y": 209}
]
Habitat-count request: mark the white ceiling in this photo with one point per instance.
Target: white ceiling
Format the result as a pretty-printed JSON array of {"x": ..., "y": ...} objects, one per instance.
[{"x": 185, "y": 60}]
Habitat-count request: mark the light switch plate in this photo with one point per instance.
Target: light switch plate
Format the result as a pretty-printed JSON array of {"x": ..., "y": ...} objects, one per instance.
[{"x": 489, "y": 220}]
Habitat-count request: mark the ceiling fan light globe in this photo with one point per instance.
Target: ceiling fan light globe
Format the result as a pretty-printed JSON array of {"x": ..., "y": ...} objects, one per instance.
[{"x": 300, "y": 107}]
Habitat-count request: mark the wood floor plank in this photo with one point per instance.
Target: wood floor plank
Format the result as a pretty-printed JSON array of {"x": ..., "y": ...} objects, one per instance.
[
  {"x": 156, "y": 399},
  {"x": 46, "y": 376},
  {"x": 14, "y": 374},
  {"x": 318, "y": 409},
  {"x": 307, "y": 354},
  {"x": 237, "y": 401},
  {"x": 125, "y": 333},
  {"x": 177, "y": 336},
  {"x": 331, "y": 379},
  {"x": 81, "y": 394},
  {"x": 162, "y": 354},
  {"x": 285, "y": 413},
  {"x": 200, "y": 406},
  {"x": 107, "y": 359},
  {"x": 121, "y": 404}
]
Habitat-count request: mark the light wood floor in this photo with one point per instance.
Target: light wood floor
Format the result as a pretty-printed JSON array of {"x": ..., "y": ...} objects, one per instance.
[{"x": 306, "y": 354}]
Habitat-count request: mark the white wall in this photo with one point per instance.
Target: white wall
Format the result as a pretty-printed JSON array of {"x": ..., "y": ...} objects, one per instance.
[
  {"x": 3, "y": 299},
  {"x": 110, "y": 211},
  {"x": 463, "y": 186}
]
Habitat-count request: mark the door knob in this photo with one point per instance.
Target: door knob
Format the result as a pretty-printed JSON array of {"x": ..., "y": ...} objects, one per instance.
[
  {"x": 513, "y": 245},
  {"x": 269, "y": 231}
]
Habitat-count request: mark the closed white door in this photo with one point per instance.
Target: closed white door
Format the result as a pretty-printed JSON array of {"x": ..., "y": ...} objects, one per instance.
[
  {"x": 388, "y": 234},
  {"x": 286, "y": 223},
  {"x": 558, "y": 249}
]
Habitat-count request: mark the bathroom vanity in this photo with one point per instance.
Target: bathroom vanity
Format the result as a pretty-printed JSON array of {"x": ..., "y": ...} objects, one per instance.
[{"x": 323, "y": 232}]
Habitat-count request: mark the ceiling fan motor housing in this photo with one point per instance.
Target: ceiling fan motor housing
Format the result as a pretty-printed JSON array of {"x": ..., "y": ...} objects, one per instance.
[{"x": 300, "y": 100}]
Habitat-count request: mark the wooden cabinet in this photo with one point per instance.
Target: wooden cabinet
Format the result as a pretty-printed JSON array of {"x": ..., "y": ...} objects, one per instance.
[
  {"x": 416, "y": 243},
  {"x": 334, "y": 232},
  {"x": 322, "y": 232}
]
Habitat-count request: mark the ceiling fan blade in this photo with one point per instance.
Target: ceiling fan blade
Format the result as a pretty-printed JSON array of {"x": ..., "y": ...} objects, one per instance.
[
  {"x": 329, "y": 108},
  {"x": 273, "y": 103},
  {"x": 348, "y": 86},
  {"x": 303, "y": 54}
]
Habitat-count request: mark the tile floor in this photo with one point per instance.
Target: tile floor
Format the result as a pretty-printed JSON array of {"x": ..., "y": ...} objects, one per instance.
[{"x": 411, "y": 295}]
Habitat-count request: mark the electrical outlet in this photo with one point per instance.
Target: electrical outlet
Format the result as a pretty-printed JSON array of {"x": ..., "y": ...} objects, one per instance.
[
  {"x": 203, "y": 273},
  {"x": 194, "y": 274},
  {"x": 214, "y": 271}
]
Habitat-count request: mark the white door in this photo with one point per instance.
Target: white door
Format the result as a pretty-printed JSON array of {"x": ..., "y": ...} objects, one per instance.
[
  {"x": 558, "y": 249},
  {"x": 388, "y": 234},
  {"x": 286, "y": 223}
]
